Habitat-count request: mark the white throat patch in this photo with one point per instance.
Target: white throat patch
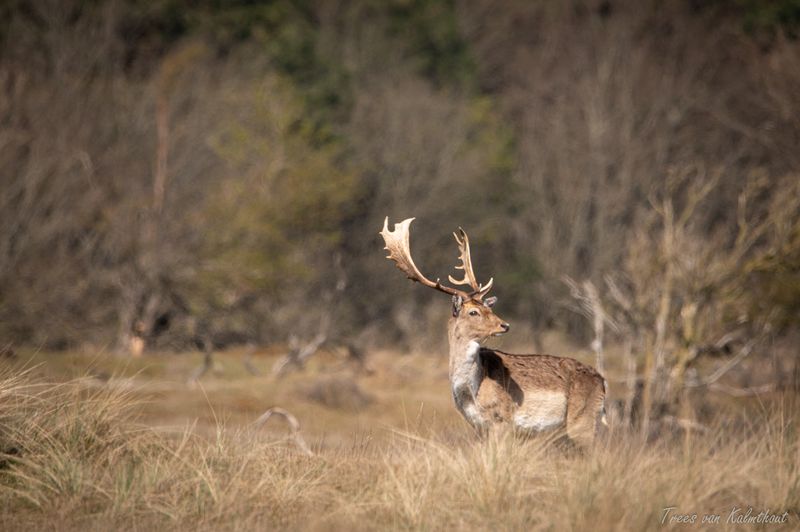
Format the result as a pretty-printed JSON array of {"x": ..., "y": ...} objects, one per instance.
[
  {"x": 466, "y": 381},
  {"x": 473, "y": 373},
  {"x": 473, "y": 348}
]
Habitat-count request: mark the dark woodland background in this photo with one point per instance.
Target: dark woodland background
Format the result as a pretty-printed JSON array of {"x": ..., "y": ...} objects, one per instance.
[{"x": 189, "y": 172}]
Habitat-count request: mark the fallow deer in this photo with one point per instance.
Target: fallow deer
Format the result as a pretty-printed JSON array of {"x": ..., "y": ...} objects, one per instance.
[{"x": 532, "y": 393}]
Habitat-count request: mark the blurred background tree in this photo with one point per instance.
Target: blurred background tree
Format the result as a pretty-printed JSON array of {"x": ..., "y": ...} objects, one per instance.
[{"x": 173, "y": 169}]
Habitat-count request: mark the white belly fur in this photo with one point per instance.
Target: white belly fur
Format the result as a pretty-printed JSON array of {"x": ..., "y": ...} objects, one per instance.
[{"x": 541, "y": 410}]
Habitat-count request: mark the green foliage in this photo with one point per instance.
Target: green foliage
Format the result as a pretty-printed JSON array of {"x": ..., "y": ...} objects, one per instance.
[
  {"x": 284, "y": 31},
  {"x": 771, "y": 15},
  {"x": 491, "y": 134},
  {"x": 289, "y": 34},
  {"x": 279, "y": 212},
  {"x": 430, "y": 27}
]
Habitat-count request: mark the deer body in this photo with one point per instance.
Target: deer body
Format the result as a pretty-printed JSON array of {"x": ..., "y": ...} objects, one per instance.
[{"x": 532, "y": 393}]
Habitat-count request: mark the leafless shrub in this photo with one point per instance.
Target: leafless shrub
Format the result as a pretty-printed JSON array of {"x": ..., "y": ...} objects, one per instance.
[
  {"x": 681, "y": 296},
  {"x": 607, "y": 100}
]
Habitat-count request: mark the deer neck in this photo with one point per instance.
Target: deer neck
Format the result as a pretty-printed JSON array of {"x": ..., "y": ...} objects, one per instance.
[{"x": 466, "y": 372}]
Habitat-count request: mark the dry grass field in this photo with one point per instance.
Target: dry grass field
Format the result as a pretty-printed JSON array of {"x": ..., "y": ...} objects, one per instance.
[
  {"x": 201, "y": 174},
  {"x": 94, "y": 442}
]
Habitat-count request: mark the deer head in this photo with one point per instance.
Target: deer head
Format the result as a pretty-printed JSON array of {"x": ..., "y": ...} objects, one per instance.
[{"x": 472, "y": 315}]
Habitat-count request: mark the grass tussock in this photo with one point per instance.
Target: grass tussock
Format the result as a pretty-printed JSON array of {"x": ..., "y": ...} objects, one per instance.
[{"x": 75, "y": 456}]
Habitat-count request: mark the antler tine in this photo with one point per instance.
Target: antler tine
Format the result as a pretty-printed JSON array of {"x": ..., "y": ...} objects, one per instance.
[
  {"x": 466, "y": 263},
  {"x": 399, "y": 248},
  {"x": 478, "y": 290},
  {"x": 483, "y": 290}
]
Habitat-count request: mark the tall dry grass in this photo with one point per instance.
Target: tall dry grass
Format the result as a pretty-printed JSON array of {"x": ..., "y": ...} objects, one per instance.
[{"x": 75, "y": 456}]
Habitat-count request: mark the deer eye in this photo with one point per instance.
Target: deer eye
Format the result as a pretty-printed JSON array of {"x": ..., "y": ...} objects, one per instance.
[{"x": 473, "y": 312}]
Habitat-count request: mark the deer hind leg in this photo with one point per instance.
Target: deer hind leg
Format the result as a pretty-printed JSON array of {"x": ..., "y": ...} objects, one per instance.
[{"x": 584, "y": 413}]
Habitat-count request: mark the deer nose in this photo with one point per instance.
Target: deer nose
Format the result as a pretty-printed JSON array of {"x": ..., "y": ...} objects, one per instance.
[{"x": 505, "y": 327}]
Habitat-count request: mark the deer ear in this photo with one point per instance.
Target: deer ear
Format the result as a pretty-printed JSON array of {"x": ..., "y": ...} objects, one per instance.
[
  {"x": 490, "y": 301},
  {"x": 457, "y": 302}
]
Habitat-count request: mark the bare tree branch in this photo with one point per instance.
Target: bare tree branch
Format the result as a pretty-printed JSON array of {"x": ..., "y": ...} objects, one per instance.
[
  {"x": 743, "y": 392},
  {"x": 294, "y": 426},
  {"x": 743, "y": 353}
]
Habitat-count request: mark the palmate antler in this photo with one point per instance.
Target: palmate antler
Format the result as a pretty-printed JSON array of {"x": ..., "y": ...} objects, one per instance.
[{"x": 398, "y": 245}]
